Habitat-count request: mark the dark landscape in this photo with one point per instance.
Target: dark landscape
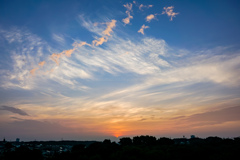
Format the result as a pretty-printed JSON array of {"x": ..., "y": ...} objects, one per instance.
[{"x": 136, "y": 148}]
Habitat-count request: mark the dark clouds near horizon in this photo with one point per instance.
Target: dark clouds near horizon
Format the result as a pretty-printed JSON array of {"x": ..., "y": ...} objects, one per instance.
[
  {"x": 213, "y": 117},
  {"x": 14, "y": 110}
]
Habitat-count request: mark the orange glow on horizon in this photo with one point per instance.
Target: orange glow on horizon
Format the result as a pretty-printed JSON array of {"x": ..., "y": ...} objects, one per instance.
[{"x": 117, "y": 135}]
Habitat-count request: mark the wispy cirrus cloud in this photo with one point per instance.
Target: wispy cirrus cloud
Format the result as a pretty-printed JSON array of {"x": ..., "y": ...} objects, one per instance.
[
  {"x": 100, "y": 41},
  {"x": 26, "y": 55},
  {"x": 106, "y": 32},
  {"x": 112, "y": 60},
  {"x": 167, "y": 86},
  {"x": 56, "y": 56},
  {"x": 110, "y": 26},
  {"x": 26, "y": 49},
  {"x": 214, "y": 117},
  {"x": 131, "y": 83},
  {"x": 59, "y": 38},
  {"x": 154, "y": 79},
  {"x": 14, "y": 110},
  {"x": 32, "y": 71},
  {"x": 41, "y": 64},
  {"x": 80, "y": 44}
]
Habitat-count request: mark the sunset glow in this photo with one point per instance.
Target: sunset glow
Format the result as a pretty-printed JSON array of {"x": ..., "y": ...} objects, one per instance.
[{"x": 84, "y": 70}]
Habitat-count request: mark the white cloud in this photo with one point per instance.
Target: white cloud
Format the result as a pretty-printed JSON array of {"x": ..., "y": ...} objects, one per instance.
[
  {"x": 221, "y": 71},
  {"x": 150, "y": 59},
  {"x": 59, "y": 38},
  {"x": 113, "y": 60},
  {"x": 71, "y": 70},
  {"x": 28, "y": 72},
  {"x": 25, "y": 50},
  {"x": 152, "y": 73},
  {"x": 91, "y": 26}
]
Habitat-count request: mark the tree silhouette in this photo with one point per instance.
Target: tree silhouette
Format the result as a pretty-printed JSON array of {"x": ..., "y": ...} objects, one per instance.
[
  {"x": 144, "y": 140},
  {"x": 165, "y": 141},
  {"x": 125, "y": 141}
]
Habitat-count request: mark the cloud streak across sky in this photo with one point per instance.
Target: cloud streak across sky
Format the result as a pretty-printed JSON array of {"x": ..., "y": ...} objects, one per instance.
[
  {"x": 160, "y": 81},
  {"x": 14, "y": 110},
  {"x": 117, "y": 83},
  {"x": 56, "y": 56}
]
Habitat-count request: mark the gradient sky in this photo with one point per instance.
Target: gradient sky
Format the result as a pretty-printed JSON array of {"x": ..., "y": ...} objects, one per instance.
[{"x": 96, "y": 69}]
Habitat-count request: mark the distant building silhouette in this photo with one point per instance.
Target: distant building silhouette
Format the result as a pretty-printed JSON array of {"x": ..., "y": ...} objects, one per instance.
[
  {"x": 17, "y": 140},
  {"x": 193, "y": 136}
]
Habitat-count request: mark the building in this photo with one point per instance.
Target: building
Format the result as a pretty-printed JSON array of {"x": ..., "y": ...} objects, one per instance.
[{"x": 193, "y": 136}]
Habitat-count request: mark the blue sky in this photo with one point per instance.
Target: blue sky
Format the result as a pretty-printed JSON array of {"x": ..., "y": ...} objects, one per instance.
[
  {"x": 86, "y": 70},
  {"x": 204, "y": 22}
]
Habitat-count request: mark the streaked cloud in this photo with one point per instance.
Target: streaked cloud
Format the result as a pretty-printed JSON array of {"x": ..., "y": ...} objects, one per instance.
[
  {"x": 80, "y": 44},
  {"x": 59, "y": 38},
  {"x": 41, "y": 64},
  {"x": 141, "y": 30},
  {"x": 55, "y": 57},
  {"x": 169, "y": 12},
  {"x": 90, "y": 26},
  {"x": 100, "y": 41},
  {"x": 69, "y": 52},
  {"x": 14, "y": 110},
  {"x": 107, "y": 31},
  {"x": 112, "y": 60},
  {"x": 32, "y": 71},
  {"x": 110, "y": 26},
  {"x": 140, "y": 72},
  {"x": 217, "y": 116}
]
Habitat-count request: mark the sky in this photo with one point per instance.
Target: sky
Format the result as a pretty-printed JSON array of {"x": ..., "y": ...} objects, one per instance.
[{"x": 106, "y": 69}]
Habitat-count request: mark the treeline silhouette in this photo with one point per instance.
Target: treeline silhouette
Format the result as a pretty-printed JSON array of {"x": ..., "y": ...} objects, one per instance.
[{"x": 142, "y": 148}]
